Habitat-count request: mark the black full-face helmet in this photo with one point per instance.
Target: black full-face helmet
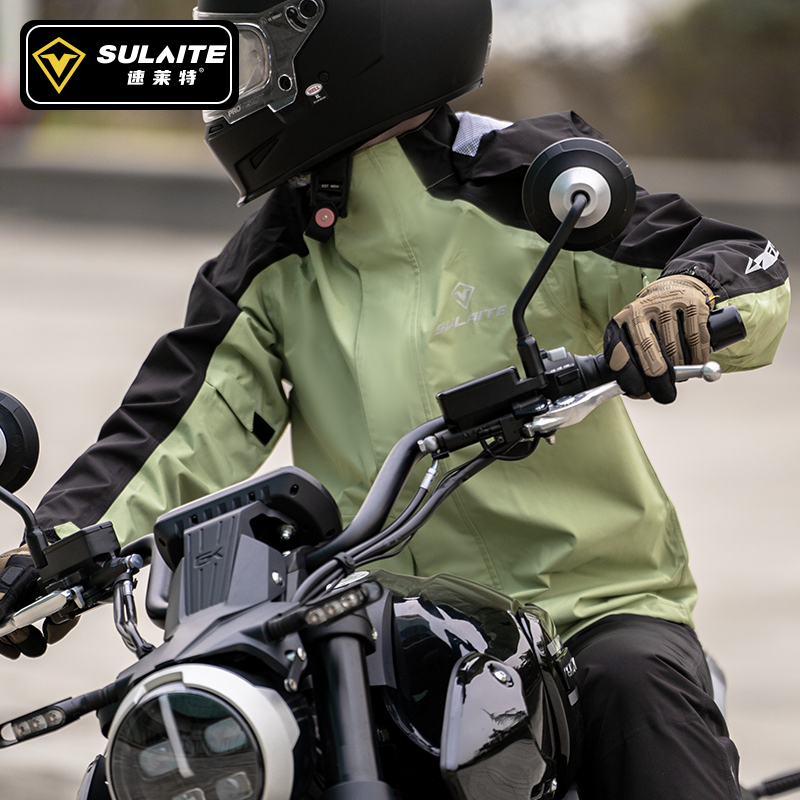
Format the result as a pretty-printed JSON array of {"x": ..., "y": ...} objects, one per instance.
[{"x": 318, "y": 78}]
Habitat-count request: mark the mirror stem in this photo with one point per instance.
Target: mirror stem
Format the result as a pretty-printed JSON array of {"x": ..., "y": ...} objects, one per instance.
[
  {"x": 34, "y": 536},
  {"x": 21, "y": 508},
  {"x": 526, "y": 344}
]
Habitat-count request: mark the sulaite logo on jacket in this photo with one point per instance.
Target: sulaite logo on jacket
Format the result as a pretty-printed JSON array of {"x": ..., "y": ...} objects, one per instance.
[{"x": 462, "y": 294}]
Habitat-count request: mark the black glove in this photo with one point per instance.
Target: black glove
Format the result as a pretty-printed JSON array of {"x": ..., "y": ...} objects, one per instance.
[
  {"x": 18, "y": 588},
  {"x": 667, "y": 325}
]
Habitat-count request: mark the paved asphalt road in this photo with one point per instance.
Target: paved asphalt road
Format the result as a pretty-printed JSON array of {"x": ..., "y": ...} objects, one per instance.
[{"x": 81, "y": 305}]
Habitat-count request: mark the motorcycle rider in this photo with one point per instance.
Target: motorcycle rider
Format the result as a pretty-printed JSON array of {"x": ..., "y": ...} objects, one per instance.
[{"x": 380, "y": 271}]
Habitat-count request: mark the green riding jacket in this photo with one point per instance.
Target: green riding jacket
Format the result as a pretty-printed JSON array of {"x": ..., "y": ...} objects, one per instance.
[{"x": 351, "y": 340}]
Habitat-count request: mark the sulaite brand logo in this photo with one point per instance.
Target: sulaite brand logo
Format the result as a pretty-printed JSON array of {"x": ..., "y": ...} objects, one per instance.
[
  {"x": 55, "y": 57},
  {"x": 137, "y": 54},
  {"x": 769, "y": 257},
  {"x": 462, "y": 294},
  {"x": 139, "y": 65}
]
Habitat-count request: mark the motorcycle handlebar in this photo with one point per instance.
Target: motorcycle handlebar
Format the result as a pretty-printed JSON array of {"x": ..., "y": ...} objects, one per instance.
[
  {"x": 381, "y": 496},
  {"x": 725, "y": 327}
]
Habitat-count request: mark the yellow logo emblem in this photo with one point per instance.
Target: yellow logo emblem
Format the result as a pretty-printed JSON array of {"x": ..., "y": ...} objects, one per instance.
[{"x": 55, "y": 58}]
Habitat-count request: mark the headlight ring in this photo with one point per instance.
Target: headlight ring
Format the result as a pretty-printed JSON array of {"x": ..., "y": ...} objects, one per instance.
[{"x": 199, "y": 732}]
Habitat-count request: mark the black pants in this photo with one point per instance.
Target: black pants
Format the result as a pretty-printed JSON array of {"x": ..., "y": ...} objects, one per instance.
[{"x": 653, "y": 731}]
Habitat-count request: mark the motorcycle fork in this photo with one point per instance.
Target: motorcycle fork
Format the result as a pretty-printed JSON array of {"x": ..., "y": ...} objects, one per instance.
[{"x": 337, "y": 654}]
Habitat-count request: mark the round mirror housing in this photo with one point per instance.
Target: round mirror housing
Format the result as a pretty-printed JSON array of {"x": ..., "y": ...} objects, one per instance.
[
  {"x": 19, "y": 443},
  {"x": 579, "y": 166}
]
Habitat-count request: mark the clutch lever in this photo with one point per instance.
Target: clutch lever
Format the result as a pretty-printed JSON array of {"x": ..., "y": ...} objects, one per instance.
[
  {"x": 43, "y": 607},
  {"x": 70, "y": 601}
]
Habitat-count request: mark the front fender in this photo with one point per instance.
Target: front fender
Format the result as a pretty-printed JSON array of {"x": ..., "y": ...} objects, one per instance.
[{"x": 93, "y": 785}]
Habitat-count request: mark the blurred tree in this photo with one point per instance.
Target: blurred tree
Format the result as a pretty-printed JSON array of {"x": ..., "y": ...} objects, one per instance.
[
  {"x": 723, "y": 80},
  {"x": 720, "y": 80},
  {"x": 114, "y": 9}
]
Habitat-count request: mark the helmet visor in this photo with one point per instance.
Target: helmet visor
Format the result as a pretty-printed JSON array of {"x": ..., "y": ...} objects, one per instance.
[
  {"x": 253, "y": 60},
  {"x": 268, "y": 44}
]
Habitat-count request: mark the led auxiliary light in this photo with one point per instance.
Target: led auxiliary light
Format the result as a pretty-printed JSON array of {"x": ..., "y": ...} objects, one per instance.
[
  {"x": 42, "y": 721},
  {"x": 198, "y": 732}
]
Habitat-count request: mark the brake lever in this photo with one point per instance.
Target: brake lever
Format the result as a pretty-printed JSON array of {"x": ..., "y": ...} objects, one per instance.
[{"x": 570, "y": 410}]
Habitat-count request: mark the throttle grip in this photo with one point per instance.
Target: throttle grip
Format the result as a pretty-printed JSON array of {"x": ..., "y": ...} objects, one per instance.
[{"x": 725, "y": 326}]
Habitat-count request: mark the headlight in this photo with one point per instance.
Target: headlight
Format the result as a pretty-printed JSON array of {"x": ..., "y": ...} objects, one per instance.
[{"x": 198, "y": 732}]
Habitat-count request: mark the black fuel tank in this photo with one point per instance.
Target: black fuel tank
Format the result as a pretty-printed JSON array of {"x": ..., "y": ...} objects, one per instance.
[{"x": 438, "y": 624}]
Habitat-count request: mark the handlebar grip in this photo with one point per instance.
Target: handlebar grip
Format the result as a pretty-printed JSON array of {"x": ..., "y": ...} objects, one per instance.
[
  {"x": 594, "y": 371},
  {"x": 725, "y": 326}
]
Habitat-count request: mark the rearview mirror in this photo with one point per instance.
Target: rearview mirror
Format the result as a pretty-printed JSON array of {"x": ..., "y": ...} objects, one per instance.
[
  {"x": 579, "y": 166},
  {"x": 19, "y": 443}
]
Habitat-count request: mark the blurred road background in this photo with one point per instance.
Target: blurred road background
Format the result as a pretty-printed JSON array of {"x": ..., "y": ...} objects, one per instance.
[{"x": 104, "y": 220}]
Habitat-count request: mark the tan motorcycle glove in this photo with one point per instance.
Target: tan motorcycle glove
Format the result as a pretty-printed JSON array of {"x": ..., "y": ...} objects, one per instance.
[
  {"x": 665, "y": 326},
  {"x": 18, "y": 588}
]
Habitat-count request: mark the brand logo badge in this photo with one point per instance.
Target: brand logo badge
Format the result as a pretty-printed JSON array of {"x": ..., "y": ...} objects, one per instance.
[
  {"x": 769, "y": 257},
  {"x": 136, "y": 65},
  {"x": 462, "y": 294},
  {"x": 208, "y": 556},
  {"x": 59, "y": 60}
]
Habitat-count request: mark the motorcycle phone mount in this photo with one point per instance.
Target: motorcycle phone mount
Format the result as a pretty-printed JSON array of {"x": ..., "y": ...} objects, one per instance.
[{"x": 578, "y": 194}]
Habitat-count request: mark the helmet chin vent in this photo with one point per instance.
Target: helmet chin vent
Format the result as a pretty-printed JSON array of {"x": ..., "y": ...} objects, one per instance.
[{"x": 257, "y": 157}]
